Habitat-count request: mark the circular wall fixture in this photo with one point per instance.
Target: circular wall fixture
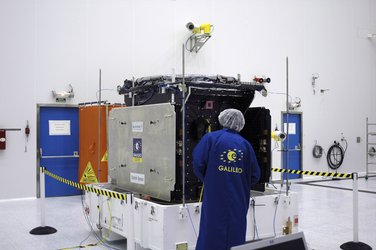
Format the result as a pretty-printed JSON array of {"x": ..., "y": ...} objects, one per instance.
[
  {"x": 335, "y": 156},
  {"x": 317, "y": 151}
]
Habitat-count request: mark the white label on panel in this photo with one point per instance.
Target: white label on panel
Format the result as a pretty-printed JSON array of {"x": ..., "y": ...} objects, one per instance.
[
  {"x": 138, "y": 127},
  {"x": 59, "y": 127},
  {"x": 138, "y": 178},
  {"x": 292, "y": 128}
]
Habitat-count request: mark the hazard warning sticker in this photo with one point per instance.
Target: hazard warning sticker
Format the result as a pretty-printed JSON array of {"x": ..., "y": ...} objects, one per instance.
[
  {"x": 105, "y": 157},
  {"x": 89, "y": 174}
]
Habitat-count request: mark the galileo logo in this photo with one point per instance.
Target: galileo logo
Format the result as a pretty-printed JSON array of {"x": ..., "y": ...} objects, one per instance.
[
  {"x": 137, "y": 150},
  {"x": 230, "y": 169},
  {"x": 231, "y": 155}
]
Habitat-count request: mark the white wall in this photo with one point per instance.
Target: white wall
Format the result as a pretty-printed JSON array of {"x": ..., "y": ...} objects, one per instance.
[{"x": 48, "y": 44}]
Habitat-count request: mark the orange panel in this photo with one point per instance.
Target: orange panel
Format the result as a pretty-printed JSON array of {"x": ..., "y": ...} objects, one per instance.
[{"x": 88, "y": 122}]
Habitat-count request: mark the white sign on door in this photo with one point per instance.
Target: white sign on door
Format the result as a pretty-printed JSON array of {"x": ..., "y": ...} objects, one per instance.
[
  {"x": 292, "y": 128},
  {"x": 59, "y": 127}
]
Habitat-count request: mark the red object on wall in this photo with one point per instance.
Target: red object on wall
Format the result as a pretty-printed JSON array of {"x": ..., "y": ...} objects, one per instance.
[{"x": 2, "y": 139}]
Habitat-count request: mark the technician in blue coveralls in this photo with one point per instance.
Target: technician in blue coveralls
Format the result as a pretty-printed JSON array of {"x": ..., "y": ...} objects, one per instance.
[{"x": 227, "y": 165}]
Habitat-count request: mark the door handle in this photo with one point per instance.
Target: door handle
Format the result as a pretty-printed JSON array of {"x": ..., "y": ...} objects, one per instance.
[
  {"x": 296, "y": 148},
  {"x": 75, "y": 155},
  {"x": 291, "y": 149},
  {"x": 59, "y": 156}
]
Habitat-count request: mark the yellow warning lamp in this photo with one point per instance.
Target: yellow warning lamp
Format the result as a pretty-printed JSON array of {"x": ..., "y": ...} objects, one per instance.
[
  {"x": 278, "y": 135},
  {"x": 200, "y": 35},
  {"x": 205, "y": 28}
]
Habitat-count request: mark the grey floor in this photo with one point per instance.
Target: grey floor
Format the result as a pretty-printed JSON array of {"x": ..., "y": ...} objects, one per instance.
[{"x": 325, "y": 214}]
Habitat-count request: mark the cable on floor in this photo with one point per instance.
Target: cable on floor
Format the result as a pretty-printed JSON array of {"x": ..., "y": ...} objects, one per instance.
[
  {"x": 255, "y": 230},
  {"x": 98, "y": 237},
  {"x": 276, "y": 208},
  {"x": 80, "y": 246},
  {"x": 190, "y": 218}
]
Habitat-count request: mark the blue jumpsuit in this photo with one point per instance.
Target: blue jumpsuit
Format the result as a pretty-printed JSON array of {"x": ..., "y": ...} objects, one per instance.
[{"x": 227, "y": 165}]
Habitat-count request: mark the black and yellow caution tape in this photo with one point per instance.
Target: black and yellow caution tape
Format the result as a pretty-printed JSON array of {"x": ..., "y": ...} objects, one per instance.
[
  {"x": 121, "y": 196},
  {"x": 314, "y": 173},
  {"x": 91, "y": 189}
]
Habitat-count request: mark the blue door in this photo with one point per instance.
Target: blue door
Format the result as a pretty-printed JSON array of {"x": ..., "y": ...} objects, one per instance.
[
  {"x": 293, "y": 143},
  {"x": 58, "y": 147}
]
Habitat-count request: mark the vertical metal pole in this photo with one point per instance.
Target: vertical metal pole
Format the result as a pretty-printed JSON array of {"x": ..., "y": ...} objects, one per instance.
[
  {"x": 173, "y": 75},
  {"x": 107, "y": 178},
  {"x": 130, "y": 236},
  {"x": 287, "y": 125},
  {"x": 366, "y": 148},
  {"x": 173, "y": 80},
  {"x": 355, "y": 208},
  {"x": 183, "y": 125},
  {"x": 42, "y": 200},
  {"x": 99, "y": 125},
  {"x": 39, "y": 150},
  {"x": 133, "y": 93}
]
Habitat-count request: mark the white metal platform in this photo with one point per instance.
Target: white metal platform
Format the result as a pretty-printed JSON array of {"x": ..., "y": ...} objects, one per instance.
[{"x": 158, "y": 226}]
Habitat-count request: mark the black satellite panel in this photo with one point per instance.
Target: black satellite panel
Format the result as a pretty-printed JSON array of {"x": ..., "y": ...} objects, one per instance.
[{"x": 205, "y": 97}]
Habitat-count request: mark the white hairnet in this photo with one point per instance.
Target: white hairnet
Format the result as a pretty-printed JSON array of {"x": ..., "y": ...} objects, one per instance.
[{"x": 232, "y": 119}]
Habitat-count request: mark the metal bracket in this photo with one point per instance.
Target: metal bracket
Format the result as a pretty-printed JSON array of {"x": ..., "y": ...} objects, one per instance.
[{"x": 196, "y": 41}]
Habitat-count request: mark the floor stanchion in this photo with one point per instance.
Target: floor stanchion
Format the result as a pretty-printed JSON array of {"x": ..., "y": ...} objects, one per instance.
[
  {"x": 355, "y": 244},
  {"x": 42, "y": 229}
]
